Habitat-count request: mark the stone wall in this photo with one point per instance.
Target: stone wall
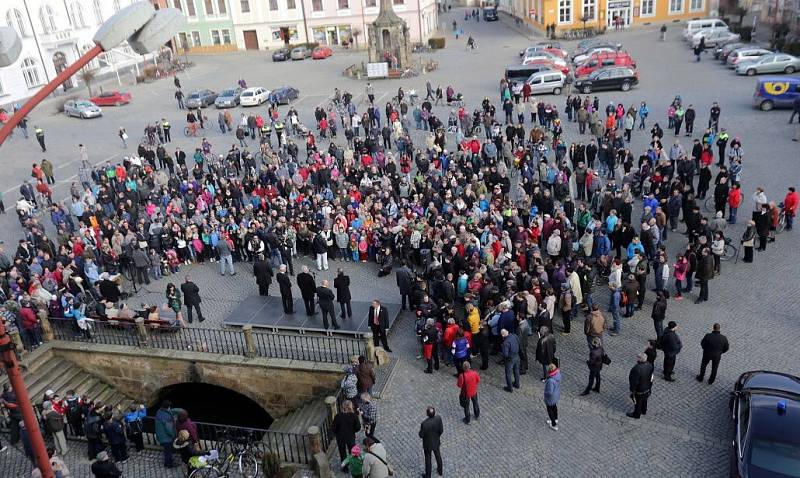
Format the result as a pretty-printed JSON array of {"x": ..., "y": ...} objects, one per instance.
[{"x": 279, "y": 386}]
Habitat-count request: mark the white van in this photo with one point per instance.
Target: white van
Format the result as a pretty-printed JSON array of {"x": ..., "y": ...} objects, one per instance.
[
  {"x": 544, "y": 82},
  {"x": 708, "y": 24}
]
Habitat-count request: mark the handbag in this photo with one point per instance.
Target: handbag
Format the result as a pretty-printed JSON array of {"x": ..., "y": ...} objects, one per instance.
[
  {"x": 606, "y": 359},
  {"x": 388, "y": 466},
  {"x": 462, "y": 399}
]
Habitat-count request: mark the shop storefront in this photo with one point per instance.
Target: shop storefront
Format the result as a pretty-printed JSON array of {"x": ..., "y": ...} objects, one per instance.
[
  {"x": 619, "y": 14},
  {"x": 332, "y": 35}
]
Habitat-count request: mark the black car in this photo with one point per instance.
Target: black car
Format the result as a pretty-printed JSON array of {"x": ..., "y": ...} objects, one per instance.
[
  {"x": 283, "y": 95},
  {"x": 281, "y": 54},
  {"x": 611, "y": 78},
  {"x": 766, "y": 412}
]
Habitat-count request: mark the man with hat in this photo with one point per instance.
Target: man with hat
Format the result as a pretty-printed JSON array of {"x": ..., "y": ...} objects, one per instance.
[
  {"x": 671, "y": 345},
  {"x": 640, "y": 380},
  {"x": 105, "y": 468}
]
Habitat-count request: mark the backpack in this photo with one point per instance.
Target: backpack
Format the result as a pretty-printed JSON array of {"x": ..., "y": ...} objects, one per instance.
[
  {"x": 419, "y": 324},
  {"x": 92, "y": 427}
]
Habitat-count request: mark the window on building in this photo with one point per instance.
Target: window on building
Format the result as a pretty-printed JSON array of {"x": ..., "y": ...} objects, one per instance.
[
  {"x": 190, "y": 10},
  {"x": 30, "y": 70},
  {"x": 675, "y": 6},
  {"x": 76, "y": 12},
  {"x": 316, "y": 5},
  {"x": 245, "y": 6},
  {"x": 177, "y": 4},
  {"x": 589, "y": 10},
  {"x": 48, "y": 19},
  {"x": 196, "y": 39},
  {"x": 215, "y": 38},
  {"x": 116, "y": 6},
  {"x": 371, "y": 3},
  {"x": 273, "y": 5},
  {"x": 223, "y": 9},
  {"x": 98, "y": 11},
  {"x": 226, "y": 36},
  {"x": 344, "y": 4},
  {"x": 398, "y": 2},
  {"x": 209, "y": 5},
  {"x": 290, "y": 4},
  {"x": 648, "y": 8},
  {"x": 183, "y": 39},
  {"x": 16, "y": 20},
  {"x": 564, "y": 11},
  {"x": 696, "y": 5}
]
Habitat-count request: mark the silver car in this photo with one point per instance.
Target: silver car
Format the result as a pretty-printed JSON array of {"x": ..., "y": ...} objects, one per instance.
[
  {"x": 200, "y": 99},
  {"x": 300, "y": 53},
  {"x": 544, "y": 82},
  {"x": 714, "y": 38},
  {"x": 773, "y": 63},
  {"x": 228, "y": 98},
  {"x": 744, "y": 54},
  {"x": 82, "y": 109}
]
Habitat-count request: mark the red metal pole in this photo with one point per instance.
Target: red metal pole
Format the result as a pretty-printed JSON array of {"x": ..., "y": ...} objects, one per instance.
[
  {"x": 8, "y": 358},
  {"x": 46, "y": 90}
]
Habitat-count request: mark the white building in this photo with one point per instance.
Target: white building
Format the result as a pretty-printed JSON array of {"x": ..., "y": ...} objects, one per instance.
[
  {"x": 54, "y": 34},
  {"x": 261, "y": 24}
]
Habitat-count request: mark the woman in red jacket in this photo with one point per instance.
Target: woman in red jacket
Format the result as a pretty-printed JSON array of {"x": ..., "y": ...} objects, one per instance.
[{"x": 468, "y": 383}]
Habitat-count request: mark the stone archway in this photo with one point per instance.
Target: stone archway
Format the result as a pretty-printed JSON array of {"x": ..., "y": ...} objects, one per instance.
[{"x": 60, "y": 64}]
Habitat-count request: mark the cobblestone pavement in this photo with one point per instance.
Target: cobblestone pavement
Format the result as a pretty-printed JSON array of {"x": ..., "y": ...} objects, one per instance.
[{"x": 687, "y": 430}]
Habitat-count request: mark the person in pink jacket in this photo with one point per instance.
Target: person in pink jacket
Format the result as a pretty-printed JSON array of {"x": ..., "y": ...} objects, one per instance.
[{"x": 680, "y": 269}]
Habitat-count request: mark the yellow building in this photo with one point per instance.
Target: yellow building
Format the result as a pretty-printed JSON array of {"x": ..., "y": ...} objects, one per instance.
[{"x": 599, "y": 14}]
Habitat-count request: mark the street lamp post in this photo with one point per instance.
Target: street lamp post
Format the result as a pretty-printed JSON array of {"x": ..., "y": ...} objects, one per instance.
[{"x": 144, "y": 27}]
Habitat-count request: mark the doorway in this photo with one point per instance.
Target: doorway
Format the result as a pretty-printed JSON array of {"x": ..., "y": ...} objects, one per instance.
[
  {"x": 250, "y": 39},
  {"x": 618, "y": 18},
  {"x": 60, "y": 64}
]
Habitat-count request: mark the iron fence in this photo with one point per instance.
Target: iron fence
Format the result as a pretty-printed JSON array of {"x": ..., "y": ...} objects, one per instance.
[{"x": 314, "y": 348}]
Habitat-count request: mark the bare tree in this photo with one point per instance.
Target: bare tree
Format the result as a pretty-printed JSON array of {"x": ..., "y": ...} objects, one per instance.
[
  {"x": 88, "y": 76},
  {"x": 356, "y": 33},
  {"x": 741, "y": 11}
]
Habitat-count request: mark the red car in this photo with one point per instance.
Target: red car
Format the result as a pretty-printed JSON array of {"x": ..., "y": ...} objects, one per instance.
[
  {"x": 321, "y": 52},
  {"x": 112, "y": 98},
  {"x": 553, "y": 66}
]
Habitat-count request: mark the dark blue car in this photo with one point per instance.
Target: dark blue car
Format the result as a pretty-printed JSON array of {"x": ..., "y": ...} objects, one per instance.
[{"x": 766, "y": 412}]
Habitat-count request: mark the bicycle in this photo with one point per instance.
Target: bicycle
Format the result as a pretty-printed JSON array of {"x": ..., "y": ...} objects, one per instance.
[
  {"x": 781, "y": 220},
  {"x": 730, "y": 252},
  {"x": 187, "y": 131},
  {"x": 709, "y": 204},
  {"x": 239, "y": 451}
]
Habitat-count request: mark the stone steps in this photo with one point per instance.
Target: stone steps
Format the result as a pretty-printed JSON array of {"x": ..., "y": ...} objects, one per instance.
[{"x": 311, "y": 414}]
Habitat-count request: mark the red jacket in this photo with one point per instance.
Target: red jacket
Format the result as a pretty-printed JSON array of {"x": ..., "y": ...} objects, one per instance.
[
  {"x": 790, "y": 203},
  {"x": 468, "y": 383},
  {"x": 734, "y": 197},
  {"x": 29, "y": 320}
]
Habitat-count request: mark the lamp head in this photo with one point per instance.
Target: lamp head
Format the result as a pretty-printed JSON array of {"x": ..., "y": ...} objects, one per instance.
[
  {"x": 158, "y": 31},
  {"x": 123, "y": 24}
]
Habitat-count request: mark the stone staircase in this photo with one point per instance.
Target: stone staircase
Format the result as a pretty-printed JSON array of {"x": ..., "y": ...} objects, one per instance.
[
  {"x": 43, "y": 372},
  {"x": 311, "y": 414}
]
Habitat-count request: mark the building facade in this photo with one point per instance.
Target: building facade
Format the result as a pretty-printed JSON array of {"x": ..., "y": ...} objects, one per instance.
[
  {"x": 599, "y": 14},
  {"x": 209, "y": 25},
  {"x": 264, "y": 24},
  {"x": 54, "y": 34}
]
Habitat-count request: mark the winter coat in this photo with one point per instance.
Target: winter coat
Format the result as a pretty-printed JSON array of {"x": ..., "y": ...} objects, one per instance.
[{"x": 552, "y": 388}]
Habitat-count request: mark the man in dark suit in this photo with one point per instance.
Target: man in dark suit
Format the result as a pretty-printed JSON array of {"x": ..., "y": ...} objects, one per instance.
[
  {"x": 430, "y": 430},
  {"x": 263, "y": 272},
  {"x": 325, "y": 297},
  {"x": 714, "y": 345},
  {"x": 641, "y": 382},
  {"x": 342, "y": 286},
  {"x": 308, "y": 288},
  {"x": 379, "y": 323},
  {"x": 191, "y": 297},
  {"x": 285, "y": 285}
]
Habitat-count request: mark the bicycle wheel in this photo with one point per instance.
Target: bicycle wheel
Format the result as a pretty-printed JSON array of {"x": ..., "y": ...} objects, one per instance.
[
  {"x": 781, "y": 223},
  {"x": 709, "y": 204},
  {"x": 728, "y": 253},
  {"x": 186, "y": 131},
  {"x": 207, "y": 472},
  {"x": 248, "y": 465}
]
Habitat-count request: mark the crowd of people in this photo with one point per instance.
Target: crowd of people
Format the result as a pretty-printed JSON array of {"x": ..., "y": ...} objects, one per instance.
[{"x": 497, "y": 221}]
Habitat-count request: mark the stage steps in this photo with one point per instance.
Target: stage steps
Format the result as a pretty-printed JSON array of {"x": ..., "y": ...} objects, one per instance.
[{"x": 298, "y": 421}]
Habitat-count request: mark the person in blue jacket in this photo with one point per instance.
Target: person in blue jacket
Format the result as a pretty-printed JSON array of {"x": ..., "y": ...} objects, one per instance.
[
  {"x": 552, "y": 394},
  {"x": 134, "y": 426}
]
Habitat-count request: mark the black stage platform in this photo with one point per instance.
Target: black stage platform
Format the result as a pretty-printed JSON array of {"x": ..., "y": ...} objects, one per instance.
[{"x": 267, "y": 313}]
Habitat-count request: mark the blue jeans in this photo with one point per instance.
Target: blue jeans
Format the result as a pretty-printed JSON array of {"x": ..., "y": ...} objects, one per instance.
[
  {"x": 589, "y": 299},
  {"x": 226, "y": 260},
  {"x": 617, "y": 321},
  {"x": 512, "y": 367},
  {"x": 168, "y": 461},
  {"x": 689, "y": 282},
  {"x": 732, "y": 215},
  {"x": 630, "y": 308}
]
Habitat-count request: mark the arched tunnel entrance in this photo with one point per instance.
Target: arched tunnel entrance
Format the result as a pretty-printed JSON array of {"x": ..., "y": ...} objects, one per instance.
[{"x": 213, "y": 404}]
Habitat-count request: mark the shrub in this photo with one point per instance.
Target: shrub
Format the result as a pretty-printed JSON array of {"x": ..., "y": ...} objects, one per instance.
[
  {"x": 436, "y": 43},
  {"x": 792, "y": 48}
]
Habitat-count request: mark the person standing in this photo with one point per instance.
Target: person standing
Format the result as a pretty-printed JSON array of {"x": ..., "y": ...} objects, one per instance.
[
  {"x": 179, "y": 97},
  {"x": 594, "y": 325},
  {"x": 308, "y": 288},
  {"x": 705, "y": 272},
  {"x": 165, "y": 430},
  {"x": 54, "y": 424},
  {"x": 659, "y": 313},
  {"x": 191, "y": 297},
  {"x": 714, "y": 344},
  {"x": 263, "y": 273},
  {"x": 640, "y": 381},
  {"x": 595, "y": 363},
  {"x": 379, "y": 324},
  {"x": 552, "y": 394},
  {"x": 790, "y": 201},
  {"x": 325, "y": 298},
  {"x": 225, "y": 256},
  {"x": 115, "y": 435},
  {"x": 545, "y": 350},
  {"x": 405, "y": 282},
  {"x": 165, "y": 126},
  {"x": 39, "y": 132},
  {"x": 103, "y": 467},
  {"x": 342, "y": 285},
  {"x": 47, "y": 171},
  {"x": 345, "y": 426},
  {"x": 510, "y": 351},
  {"x": 748, "y": 241},
  {"x": 430, "y": 349},
  {"x": 134, "y": 428},
  {"x": 285, "y": 286},
  {"x": 468, "y": 383},
  {"x": 671, "y": 345},
  {"x": 430, "y": 430},
  {"x": 321, "y": 250}
]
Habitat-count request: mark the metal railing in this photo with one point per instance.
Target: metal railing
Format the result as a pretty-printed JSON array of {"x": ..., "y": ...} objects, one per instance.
[{"x": 313, "y": 348}]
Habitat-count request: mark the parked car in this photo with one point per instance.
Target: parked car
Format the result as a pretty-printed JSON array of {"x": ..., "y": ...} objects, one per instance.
[
  {"x": 519, "y": 73},
  {"x": 745, "y": 53},
  {"x": 581, "y": 58},
  {"x": 589, "y": 45},
  {"x": 543, "y": 82},
  {"x": 82, "y": 109},
  {"x": 610, "y": 78},
  {"x": 490, "y": 14},
  {"x": 714, "y": 37},
  {"x": 321, "y": 52},
  {"x": 727, "y": 48},
  {"x": 774, "y": 63},
  {"x": 765, "y": 408},
  {"x": 553, "y": 48},
  {"x": 562, "y": 68},
  {"x": 709, "y": 24},
  {"x": 602, "y": 60},
  {"x": 112, "y": 98},
  {"x": 300, "y": 53},
  {"x": 200, "y": 99},
  {"x": 281, "y": 54},
  {"x": 284, "y": 95},
  {"x": 228, "y": 98},
  {"x": 776, "y": 92},
  {"x": 254, "y": 96},
  {"x": 530, "y": 56}
]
